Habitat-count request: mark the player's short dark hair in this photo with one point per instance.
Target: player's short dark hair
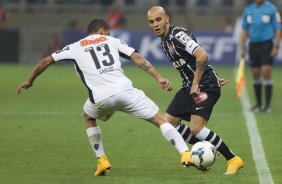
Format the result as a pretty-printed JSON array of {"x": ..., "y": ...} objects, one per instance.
[{"x": 95, "y": 25}]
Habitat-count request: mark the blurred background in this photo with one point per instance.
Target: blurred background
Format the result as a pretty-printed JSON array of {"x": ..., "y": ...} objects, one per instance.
[{"x": 31, "y": 29}]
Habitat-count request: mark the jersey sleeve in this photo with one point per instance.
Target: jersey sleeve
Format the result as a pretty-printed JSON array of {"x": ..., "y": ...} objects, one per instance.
[
  {"x": 244, "y": 20},
  {"x": 124, "y": 49},
  {"x": 66, "y": 53},
  {"x": 184, "y": 41},
  {"x": 277, "y": 21}
]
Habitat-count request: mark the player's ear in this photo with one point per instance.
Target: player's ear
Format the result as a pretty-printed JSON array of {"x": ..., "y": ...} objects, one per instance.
[
  {"x": 102, "y": 31},
  {"x": 167, "y": 19}
]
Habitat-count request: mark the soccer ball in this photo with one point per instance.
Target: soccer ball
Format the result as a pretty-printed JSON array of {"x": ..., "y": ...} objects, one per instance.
[{"x": 203, "y": 154}]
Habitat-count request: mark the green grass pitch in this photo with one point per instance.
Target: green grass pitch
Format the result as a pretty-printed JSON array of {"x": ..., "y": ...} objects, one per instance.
[{"x": 43, "y": 139}]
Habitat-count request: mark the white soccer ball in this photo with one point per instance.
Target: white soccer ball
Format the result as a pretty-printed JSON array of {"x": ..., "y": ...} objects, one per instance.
[{"x": 203, "y": 154}]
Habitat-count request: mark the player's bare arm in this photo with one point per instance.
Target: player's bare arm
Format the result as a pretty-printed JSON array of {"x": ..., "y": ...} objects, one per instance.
[
  {"x": 38, "y": 69},
  {"x": 201, "y": 65},
  {"x": 145, "y": 66},
  {"x": 148, "y": 67}
]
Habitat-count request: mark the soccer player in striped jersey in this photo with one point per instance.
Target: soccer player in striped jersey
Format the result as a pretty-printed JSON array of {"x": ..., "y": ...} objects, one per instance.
[
  {"x": 200, "y": 89},
  {"x": 97, "y": 62}
]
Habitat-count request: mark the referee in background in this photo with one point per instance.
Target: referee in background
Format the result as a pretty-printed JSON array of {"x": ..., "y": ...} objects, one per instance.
[{"x": 261, "y": 24}]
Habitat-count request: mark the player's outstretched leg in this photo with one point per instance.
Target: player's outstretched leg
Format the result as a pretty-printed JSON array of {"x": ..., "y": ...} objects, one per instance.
[
  {"x": 170, "y": 133},
  {"x": 95, "y": 139},
  {"x": 185, "y": 132},
  {"x": 174, "y": 137},
  {"x": 234, "y": 162}
]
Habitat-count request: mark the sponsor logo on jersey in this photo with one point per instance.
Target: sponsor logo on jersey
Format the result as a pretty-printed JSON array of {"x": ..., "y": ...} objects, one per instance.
[
  {"x": 93, "y": 41},
  {"x": 202, "y": 97},
  {"x": 179, "y": 63}
]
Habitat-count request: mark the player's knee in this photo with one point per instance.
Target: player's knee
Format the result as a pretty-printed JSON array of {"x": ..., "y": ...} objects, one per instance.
[
  {"x": 195, "y": 129},
  {"x": 88, "y": 118},
  {"x": 158, "y": 119},
  {"x": 172, "y": 120}
]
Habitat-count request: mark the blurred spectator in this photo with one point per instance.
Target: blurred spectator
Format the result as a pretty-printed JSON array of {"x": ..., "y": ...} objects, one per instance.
[
  {"x": 164, "y": 3},
  {"x": 228, "y": 25},
  {"x": 106, "y": 3},
  {"x": 202, "y": 6},
  {"x": 202, "y": 2},
  {"x": 249, "y": 2},
  {"x": 129, "y": 2},
  {"x": 73, "y": 25},
  {"x": 2, "y": 17},
  {"x": 54, "y": 44},
  {"x": 36, "y": 1},
  {"x": 181, "y": 4},
  {"x": 73, "y": 32},
  {"x": 115, "y": 17},
  {"x": 227, "y": 3}
]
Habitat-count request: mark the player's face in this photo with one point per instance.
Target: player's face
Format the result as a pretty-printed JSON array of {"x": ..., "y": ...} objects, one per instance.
[{"x": 158, "y": 23}]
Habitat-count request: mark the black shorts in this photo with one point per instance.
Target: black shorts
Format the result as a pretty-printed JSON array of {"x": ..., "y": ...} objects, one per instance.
[
  {"x": 260, "y": 53},
  {"x": 183, "y": 105}
]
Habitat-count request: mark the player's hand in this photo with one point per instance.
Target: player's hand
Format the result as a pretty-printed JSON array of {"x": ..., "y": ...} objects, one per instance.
[
  {"x": 222, "y": 82},
  {"x": 24, "y": 85},
  {"x": 274, "y": 52},
  {"x": 195, "y": 90},
  {"x": 242, "y": 52},
  {"x": 165, "y": 84}
]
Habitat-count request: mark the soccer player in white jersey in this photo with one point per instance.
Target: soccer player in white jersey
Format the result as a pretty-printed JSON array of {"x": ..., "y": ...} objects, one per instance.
[{"x": 96, "y": 59}]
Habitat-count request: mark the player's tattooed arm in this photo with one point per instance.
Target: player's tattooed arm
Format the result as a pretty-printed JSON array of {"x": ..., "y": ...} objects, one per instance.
[
  {"x": 201, "y": 65},
  {"x": 148, "y": 67},
  {"x": 145, "y": 66},
  {"x": 141, "y": 62}
]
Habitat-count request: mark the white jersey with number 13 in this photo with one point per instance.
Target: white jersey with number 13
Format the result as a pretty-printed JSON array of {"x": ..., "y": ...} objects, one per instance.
[{"x": 97, "y": 62}]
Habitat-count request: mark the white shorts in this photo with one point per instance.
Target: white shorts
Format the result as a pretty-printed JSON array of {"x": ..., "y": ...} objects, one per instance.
[{"x": 132, "y": 101}]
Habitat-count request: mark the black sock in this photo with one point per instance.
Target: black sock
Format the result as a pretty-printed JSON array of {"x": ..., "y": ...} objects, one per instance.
[
  {"x": 186, "y": 134},
  {"x": 214, "y": 139},
  {"x": 258, "y": 88},
  {"x": 268, "y": 94}
]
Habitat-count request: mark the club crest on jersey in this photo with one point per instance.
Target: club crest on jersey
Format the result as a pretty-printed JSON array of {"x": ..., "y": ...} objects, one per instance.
[
  {"x": 171, "y": 49},
  {"x": 202, "y": 97},
  {"x": 65, "y": 48}
]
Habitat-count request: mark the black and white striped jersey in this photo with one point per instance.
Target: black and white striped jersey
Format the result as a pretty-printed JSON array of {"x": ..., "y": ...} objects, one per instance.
[{"x": 179, "y": 46}]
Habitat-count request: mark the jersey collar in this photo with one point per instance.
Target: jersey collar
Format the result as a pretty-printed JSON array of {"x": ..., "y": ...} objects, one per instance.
[{"x": 169, "y": 35}]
